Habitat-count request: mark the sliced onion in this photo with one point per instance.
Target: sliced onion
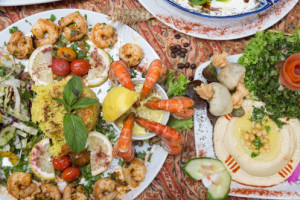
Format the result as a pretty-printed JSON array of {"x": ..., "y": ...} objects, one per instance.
[{"x": 295, "y": 175}]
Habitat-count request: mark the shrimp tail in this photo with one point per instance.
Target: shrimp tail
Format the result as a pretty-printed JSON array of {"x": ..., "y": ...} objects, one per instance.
[
  {"x": 153, "y": 75},
  {"x": 123, "y": 147},
  {"x": 172, "y": 140},
  {"x": 178, "y": 106}
]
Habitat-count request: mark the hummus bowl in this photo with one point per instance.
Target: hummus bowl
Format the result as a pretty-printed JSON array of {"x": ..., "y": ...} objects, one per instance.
[
  {"x": 224, "y": 9},
  {"x": 160, "y": 116}
]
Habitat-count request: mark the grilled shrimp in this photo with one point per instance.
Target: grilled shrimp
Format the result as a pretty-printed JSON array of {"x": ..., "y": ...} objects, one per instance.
[
  {"x": 74, "y": 26},
  {"x": 105, "y": 189},
  {"x": 103, "y": 35},
  {"x": 20, "y": 46},
  {"x": 178, "y": 106},
  {"x": 135, "y": 172},
  {"x": 132, "y": 54},
  {"x": 123, "y": 147},
  {"x": 48, "y": 191},
  {"x": 155, "y": 72},
  {"x": 45, "y": 32},
  {"x": 20, "y": 186},
  {"x": 74, "y": 191},
  {"x": 172, "y": 140}
]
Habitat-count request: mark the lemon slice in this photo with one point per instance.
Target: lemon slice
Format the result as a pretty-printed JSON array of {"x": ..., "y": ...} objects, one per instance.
[
  {"x": 99, "y": 62},
  {"x": 117, "y": 102},
  {"x": 101, "y": 152},
  {"x": 40, "y": 160},
  {"x": 38, "y": 65}
]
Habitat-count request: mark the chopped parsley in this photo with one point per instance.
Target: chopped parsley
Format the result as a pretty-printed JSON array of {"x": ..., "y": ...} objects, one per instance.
[
  {"x": 257, "y": 143},
  {"x": 52, "y": 18},
  {"x": 262, "y": 58},
  {"x": 253, "y": 155},
  {"x": 141, "y": 155},
  {"x": 258, "y": 114},
  {"x": 149, "y": 157},
  {"x": 106, "y": 129},
  {"x": 13, "y": 29}
]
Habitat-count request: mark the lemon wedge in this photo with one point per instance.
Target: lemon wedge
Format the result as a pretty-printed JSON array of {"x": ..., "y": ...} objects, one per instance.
[
  {"x": 38, "y": 65},
  {"x": 101, "y": 152},
  {"x": 40, "y": 160},
  {"x": 99, "y": 63},
  {"x": 117, "y": 102}
]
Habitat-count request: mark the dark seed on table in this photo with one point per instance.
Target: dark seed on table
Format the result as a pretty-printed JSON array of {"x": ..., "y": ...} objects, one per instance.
[
  {"x": 183, "y": 50},
  {"x": 193, "y": 66},
  {"x": 178, "y": 53},
  {"x": 186, "y": 44},
  {"x": 173, "y": 55},
  {"x": 180, "y": 65},
  {"x": 174, "y": 50},
  {"x": 187, "y": 65},
  {"x": 177, "y": 36},
  {"x": 191, "y": 78},
  {"x": 182, "y": 55},
  {"x": 178, "y": 47},
  {"x": 172, "y": 47}
]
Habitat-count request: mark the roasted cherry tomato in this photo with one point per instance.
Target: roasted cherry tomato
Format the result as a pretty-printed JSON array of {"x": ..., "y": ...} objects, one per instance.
[
  {"x": 60, "y": 67},
  {"x": 79, "y": 159},
  {"x": 66, "y": 53},
  {"x": 80, "y": 67},
  {"x": 70, "y": 174},
  {"x": 61, "y": 163}
]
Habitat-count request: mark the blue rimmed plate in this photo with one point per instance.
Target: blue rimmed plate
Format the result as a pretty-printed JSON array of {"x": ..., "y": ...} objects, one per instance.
[{"x": 224, "y": 13}]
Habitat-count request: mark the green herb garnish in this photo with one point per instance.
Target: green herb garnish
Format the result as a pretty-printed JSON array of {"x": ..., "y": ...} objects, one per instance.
[
  {"x": 180, "y": 125},
  {"x": 253, "y": 155},
  {"x": 141, "y": 155},
  {"x": 176, "y": 86},
  {"x": 52, "y": 18},
  {"x": 74, "y": 129},
  {"x": 257, "y": 143},
  {"x": 13, "y": 29}
]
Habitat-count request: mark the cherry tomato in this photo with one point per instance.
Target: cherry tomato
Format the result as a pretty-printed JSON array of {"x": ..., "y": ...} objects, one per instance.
[
  {"x": 61, "y": 163},
  {"x": 80, "y": 67},
  {"x": 70, "y": 174},
  {"x": 60, "y": 67},
  {"x": 79, "y": 159}
]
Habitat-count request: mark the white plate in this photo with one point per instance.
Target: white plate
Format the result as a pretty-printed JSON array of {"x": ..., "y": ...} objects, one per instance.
[
  {"x": 217, "y": 29},
  {"x": 125, "y": 35},
  {"x": 203, "y": 132},
  {"x": 23, "y": 2}
]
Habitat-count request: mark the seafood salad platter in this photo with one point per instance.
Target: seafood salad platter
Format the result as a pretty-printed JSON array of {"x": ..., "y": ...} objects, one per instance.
[
  {"x": 87, "y": 109},
  {"x": 246, "y": 120}
]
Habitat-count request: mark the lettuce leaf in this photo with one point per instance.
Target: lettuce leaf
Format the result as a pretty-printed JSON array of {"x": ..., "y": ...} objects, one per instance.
[
  {"x": 180, "y": 125},
  {"x": 176, "y": 86}
]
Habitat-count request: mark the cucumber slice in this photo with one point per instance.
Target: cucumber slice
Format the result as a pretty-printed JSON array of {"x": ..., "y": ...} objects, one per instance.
[
  {"x": 219, "y": 189},
  {"x": 6, "y": 135},
  {"x": 199, "y": 168}
]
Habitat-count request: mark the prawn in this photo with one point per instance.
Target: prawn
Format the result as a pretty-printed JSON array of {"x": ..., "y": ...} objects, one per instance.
[
  {"x": 20, "y": 46},
  {"x": 75, "y": 191},
  {"x": 74, "y": 26},
  {"x": 105, "y": 189},
  {"x": 45, "y": 32},
  {"x": 134, "y": 173},
  {"x": 20, "y": 186},
  {"x": 172, "y": 140},
  {"x": 123, "y": 147},
  {"x": 178, "y": 106},
  {"x": 155, "y": 72},
  {"x": 120, "y": 72},
  {"x": 132, "y": 54},
  {"x": 103, "y": 35},
  {"x": 48, "y": 191}
]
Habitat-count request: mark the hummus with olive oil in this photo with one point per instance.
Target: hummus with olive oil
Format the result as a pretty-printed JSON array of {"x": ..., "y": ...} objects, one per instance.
[
  {"x": 144, "y": 112},
  {"x": 248, "y": 161}
]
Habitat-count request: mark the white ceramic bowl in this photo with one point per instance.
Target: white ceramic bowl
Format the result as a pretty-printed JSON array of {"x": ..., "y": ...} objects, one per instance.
[{"x": 167, "y": 114}]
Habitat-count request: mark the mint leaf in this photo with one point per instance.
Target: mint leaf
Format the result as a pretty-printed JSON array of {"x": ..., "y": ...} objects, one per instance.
[
  {"x": 67, "y": 107},
  {"x": 84, "y": 102},
  {"x": 75, "y": 132},
  {"x": 72, "y": 90}
]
